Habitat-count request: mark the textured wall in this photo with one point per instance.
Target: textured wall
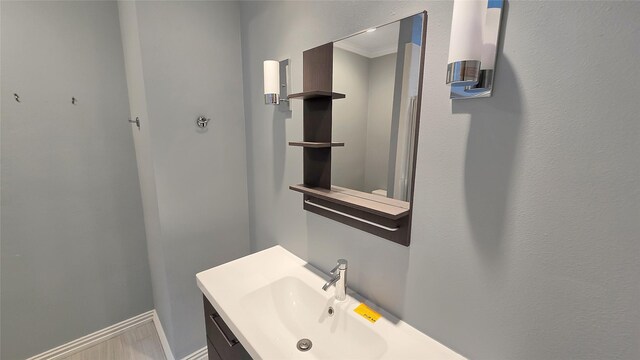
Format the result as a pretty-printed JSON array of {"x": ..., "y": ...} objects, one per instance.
[
  {"x": 362, "y": 120},
  {"x": 74, "y": 257},
  {"x": 183, "y": 60},
  {"x": 527, "y": 205},
  {"x": 349, "y": 118},
  {"x": 144, "y": 157},
  {"x": 382, "y": 73}
]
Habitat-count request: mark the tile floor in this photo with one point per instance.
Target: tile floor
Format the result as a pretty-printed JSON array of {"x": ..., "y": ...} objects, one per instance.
[{"x": 139, "y": 343}]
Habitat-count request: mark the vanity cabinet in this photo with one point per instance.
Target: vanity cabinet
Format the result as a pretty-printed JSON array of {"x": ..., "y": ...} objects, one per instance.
[{"x": 222, "y": 344}]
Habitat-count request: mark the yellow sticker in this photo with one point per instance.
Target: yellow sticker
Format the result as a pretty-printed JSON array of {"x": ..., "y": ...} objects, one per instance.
[{"x": 367, "y": 312}]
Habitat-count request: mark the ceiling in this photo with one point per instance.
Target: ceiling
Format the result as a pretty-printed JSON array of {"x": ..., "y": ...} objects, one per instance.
[{"x": 382, "y": 41}]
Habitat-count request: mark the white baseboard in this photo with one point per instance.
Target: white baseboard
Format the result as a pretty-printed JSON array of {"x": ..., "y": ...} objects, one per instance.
[
  {"x": 163, "y": 337},
  {"x": 112, "y": 331},
  {"x": 93, "y": 339},
  {"x": 200, "y": 354}
]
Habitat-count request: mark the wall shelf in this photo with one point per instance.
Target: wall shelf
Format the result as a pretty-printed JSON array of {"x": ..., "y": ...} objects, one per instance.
[
  {"x": 374, "y": 204},
  {"x": 315, "y": 145},
  {"x": 378, "y": 215},
  {"x": 317, "y": 94}
]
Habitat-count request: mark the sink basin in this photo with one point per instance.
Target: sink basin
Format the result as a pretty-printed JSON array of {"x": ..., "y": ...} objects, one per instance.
[
  {"x": 272, "y": 299},
  {"x": 302, "y": 312}
]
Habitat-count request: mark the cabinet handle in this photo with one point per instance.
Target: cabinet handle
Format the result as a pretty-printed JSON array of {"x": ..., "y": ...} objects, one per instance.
[{"x": 213, "y": 319}]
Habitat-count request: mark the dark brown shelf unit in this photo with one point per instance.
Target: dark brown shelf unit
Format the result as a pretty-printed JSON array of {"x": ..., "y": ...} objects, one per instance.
[
  {"x": 377, "y": 217},
  {"x": 317, "y": 94},
  {"x": 315, "y": 145},
  {"x": 374, "y": 204}
]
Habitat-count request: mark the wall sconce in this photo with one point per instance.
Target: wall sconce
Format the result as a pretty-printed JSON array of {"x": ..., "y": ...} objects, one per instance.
[
  {"x": 475, "y": 27},
  {"x": 276, "y": 82}
]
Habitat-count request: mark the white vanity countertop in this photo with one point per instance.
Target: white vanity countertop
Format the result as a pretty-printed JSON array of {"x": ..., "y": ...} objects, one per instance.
[{"x": 272, "y": 298}]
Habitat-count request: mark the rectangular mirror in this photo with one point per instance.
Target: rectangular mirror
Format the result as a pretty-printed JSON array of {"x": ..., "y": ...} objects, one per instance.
[
  {"x": 361, "y": 111},
  {"x": 379, "y": 70}
]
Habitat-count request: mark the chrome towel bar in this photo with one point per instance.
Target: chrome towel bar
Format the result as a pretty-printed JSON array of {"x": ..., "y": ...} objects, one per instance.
[{"x": 352, "y": 217}]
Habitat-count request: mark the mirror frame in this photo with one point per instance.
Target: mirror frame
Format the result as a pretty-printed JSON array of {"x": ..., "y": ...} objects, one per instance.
[{"x": 385, "y": 217}]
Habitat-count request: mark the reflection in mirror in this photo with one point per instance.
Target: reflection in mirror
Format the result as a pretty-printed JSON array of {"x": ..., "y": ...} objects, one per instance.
[{"x": 378, "y": 70}]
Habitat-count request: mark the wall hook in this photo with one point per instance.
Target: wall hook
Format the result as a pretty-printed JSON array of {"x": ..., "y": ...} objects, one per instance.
[
  {"x": 202, "y": 122},
  {"x": 74, "y": 100},
  {"x": 17, "y": 97},
  {"x": 136, "y": 121}
]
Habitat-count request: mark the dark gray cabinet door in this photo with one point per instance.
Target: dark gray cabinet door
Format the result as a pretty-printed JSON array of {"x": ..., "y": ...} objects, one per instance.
[{"x": 220, "y": 339}]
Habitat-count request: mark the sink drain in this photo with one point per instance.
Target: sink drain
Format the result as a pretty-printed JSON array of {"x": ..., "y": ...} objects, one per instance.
[{"x": 304, "y": 345}]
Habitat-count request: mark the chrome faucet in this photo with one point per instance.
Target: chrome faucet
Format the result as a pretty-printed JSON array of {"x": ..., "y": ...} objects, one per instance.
[{"x": 339, "y": 279}]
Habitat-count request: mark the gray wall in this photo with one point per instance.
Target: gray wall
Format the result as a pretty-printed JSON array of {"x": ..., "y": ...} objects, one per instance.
[
  {"x": 74, "y": 257},
  {"x": 362, "y": 120},
  {"x": 382, "y": 71},
  {"x": 144, "y": 157},
  {"x": 350, "y": 76},
  {"x": 526, "y": 210},
  {"x": 183, "y": 60}
]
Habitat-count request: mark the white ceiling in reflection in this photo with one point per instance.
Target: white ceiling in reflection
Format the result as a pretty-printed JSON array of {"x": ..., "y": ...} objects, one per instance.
[{"x": 382, "y": 41}]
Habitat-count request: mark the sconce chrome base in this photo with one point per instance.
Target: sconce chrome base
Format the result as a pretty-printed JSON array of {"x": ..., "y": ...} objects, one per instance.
[
  {"x": 483, "y": 87},
  {"x": 272, "y": 99},
  {"x": 485, "y": 80},
  {"x": 463, "y": 73}
]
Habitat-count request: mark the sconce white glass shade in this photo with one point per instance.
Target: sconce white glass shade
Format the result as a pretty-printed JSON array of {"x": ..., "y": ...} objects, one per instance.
[
  {"x": 271, "y": 77},
  {"x": 466, "y": 30},
  {"x": 466, "y": 42},
  {"x": 490, "y": 36}
]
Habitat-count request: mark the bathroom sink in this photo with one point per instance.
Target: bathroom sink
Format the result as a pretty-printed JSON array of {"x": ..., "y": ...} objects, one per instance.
[
  {"x": 291, "y": 310},
  {"x": 272, "y": 299}
]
